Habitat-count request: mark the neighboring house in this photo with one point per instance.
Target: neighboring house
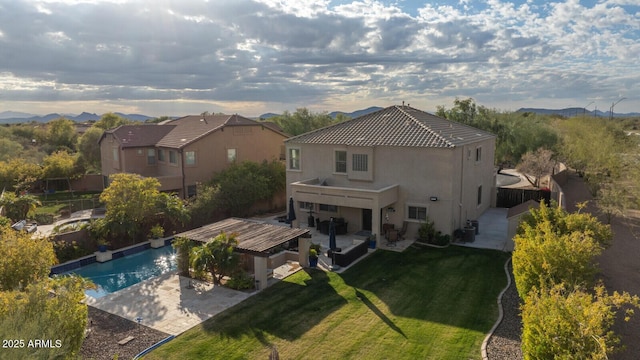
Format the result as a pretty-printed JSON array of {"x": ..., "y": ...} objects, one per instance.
[
  {"x": 184, "y": 152},
  {"x": 394, "y": 165}
]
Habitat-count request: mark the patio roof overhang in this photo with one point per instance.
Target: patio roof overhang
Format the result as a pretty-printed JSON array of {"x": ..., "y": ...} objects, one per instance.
[
  {"x": 253, "y": 237},
  {"x": 315, "y": 192}
]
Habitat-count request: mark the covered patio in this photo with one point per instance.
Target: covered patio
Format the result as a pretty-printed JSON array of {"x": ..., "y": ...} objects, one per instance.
[
  {"x": 254, "y": 238},
  {"x": 371, "y": 201}
]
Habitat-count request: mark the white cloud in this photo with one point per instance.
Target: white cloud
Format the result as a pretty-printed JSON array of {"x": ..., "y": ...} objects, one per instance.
[{"x": 284, "y": 54}]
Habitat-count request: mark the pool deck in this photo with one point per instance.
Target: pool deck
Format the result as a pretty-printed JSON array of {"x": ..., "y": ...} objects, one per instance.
[{"x": 167, "y": 303}]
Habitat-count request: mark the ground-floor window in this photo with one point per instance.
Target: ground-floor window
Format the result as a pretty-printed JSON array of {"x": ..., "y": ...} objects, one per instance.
[
  {"x": 417, "y": 212},
  {"x": 192, "y": 190}
]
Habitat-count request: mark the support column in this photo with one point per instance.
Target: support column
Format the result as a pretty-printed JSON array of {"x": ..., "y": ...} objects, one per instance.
[
  {"x": 375, "y": 220},
  {"x": 260, "y": 271},
  {"x": 304, "y": 243}
]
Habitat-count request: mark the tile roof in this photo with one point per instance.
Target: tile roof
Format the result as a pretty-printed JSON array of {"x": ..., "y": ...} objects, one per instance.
[
  {"x": 395, "y": 126},
  {"x": 138, "y": 135},
  {"x": 193, "y": 127}
]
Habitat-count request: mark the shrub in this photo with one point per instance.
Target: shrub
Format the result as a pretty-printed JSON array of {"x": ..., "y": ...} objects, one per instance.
[
  {"x": 240, "y": 281},
  {"x": 571, "y": 324},
  {"x": 69, "y": 251},
  {"x": 43, "y": 218}
]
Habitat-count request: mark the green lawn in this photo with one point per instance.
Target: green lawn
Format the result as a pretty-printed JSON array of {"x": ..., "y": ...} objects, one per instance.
[{"x": 421, "y": 304}]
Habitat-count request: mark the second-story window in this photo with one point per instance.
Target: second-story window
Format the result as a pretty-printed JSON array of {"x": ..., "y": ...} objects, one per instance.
[
  {"x": 151, "y": 156},
  {"x": 172, "y": 157},
  {"x": 341, "y": 161},
  {"x": 294, "y": 159},
  {"x": 360, "y": 162},
  {"x": 161, "y": 155},
  {"x": 478, "y": 154},
  {"x": 189, "y": 157},
  {"x": 231, "y": 155}
]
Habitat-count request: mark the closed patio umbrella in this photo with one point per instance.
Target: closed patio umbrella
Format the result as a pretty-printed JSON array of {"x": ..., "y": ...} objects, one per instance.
[
  {"x": 332, "y": 235},
  {"x": 292, "y": 213}
]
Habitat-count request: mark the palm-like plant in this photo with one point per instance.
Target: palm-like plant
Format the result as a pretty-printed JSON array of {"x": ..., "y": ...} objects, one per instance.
[{"x": 216, "y": 257}]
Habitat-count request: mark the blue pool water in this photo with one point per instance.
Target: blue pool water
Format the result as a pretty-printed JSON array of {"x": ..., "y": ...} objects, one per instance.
[{"x": 118, "y": 274}]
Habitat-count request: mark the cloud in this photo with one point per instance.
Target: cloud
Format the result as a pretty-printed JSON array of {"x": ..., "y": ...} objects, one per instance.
[{"x": 291, "y": 54}]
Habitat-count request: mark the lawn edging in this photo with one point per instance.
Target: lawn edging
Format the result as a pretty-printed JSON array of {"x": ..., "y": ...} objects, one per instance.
[
  {"x": 500, "y": 312},
  {"x": 150, "y": 348}
]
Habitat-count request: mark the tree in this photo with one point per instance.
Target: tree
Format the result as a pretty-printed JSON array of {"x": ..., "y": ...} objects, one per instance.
[
  {"x": 535, "y": 165},
  {"x": 570, "y": 323},
  {"x": 216, "y": 257},
  {"x": 89, "y": 150},
  {"x": 23, "y": 260},
  {"x": 302, "y": 121},
  {"x": 62, "y": 133},
  {"x": 9, "y": 149},
  {"x": 19, "y": 175},
  {"x": 60, "y": 164},
  {"x": 171, "y": 210},
  {"x": 183, "y": 248},
  {"x": 50, "y": 309},
  {"x": 241, "y": 185},
  {"x": 130, "y": 201},
  {"x": 110, "y": 121},
  {"x": 18, "y": 207}
]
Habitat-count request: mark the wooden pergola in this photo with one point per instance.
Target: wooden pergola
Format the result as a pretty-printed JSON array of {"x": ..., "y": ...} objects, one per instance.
[{"x": 254, "y": 238}]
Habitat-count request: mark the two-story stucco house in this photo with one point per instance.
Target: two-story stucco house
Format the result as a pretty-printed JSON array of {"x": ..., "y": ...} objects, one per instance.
[
  {"x": 183, "y": 152},
  {"x": 396, "y": 165}
]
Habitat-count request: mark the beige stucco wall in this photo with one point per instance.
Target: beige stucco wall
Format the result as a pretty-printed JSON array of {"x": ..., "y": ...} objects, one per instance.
[
  {"x": 252, "y": 143},
  {"x": 452, "y": 175},
  {"x": 256, "y": 144}
]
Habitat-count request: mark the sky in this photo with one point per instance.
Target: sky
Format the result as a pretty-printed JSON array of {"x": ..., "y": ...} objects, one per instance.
[{"x": 164, "y": 57}]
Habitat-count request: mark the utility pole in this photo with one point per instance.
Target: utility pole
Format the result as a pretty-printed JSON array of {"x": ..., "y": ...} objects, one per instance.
[{"x": 612, "y": 105}]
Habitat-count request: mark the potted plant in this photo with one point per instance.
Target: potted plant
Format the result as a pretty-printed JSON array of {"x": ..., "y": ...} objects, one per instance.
[
  {"x": 102, "y": 245},
  {"x": 156, "y": 232},
  {"x": 313, "y": 257}
]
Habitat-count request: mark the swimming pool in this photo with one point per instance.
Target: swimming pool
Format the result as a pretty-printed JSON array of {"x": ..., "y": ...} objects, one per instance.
[{"x": 118, "y": 274}]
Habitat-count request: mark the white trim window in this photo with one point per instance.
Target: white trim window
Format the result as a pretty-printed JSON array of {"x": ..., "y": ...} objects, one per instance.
[
  {"x": 417, "y": 212},
  {"x": 360, "y": 162},
  {"x": 341, "y": 161},
  {"x": 190, "y": 158},
  {"x": 231, "y": 155},
  {"x": 294, "y": 159}
]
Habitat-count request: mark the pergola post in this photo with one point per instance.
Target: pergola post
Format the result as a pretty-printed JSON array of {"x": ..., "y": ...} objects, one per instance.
[
  {"x": 260, "y": 272},
  {"x": 304, "y": 243}
]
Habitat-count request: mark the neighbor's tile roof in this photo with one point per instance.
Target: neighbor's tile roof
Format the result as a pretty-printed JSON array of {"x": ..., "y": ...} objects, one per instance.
[
  {"x": 395, "y": 126},
  {"x": 139, "y": 135},
  {"x": 193, "y": 127}
]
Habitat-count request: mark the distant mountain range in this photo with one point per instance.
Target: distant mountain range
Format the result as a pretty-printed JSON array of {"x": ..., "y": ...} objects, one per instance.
[
  {"x": 576, "y": 111},
  {"x": 334, "y": 113},
  {"x": 13, "y": 117}
]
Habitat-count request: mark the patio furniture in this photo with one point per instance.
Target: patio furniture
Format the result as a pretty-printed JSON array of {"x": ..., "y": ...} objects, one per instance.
[
  {"x": 392, "y": 237},
  {"x": 403, "y": 231},
  {"x": 341, "y": 226}
]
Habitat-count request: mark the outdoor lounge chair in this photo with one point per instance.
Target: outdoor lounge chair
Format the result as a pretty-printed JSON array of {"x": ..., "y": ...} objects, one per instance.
[{"x": 403, "y": 231}]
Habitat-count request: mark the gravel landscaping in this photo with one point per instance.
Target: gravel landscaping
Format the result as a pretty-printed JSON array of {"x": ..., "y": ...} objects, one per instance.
[
  {"x": 106, "y": 330},
  {"x": 505, "y": 341}
]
